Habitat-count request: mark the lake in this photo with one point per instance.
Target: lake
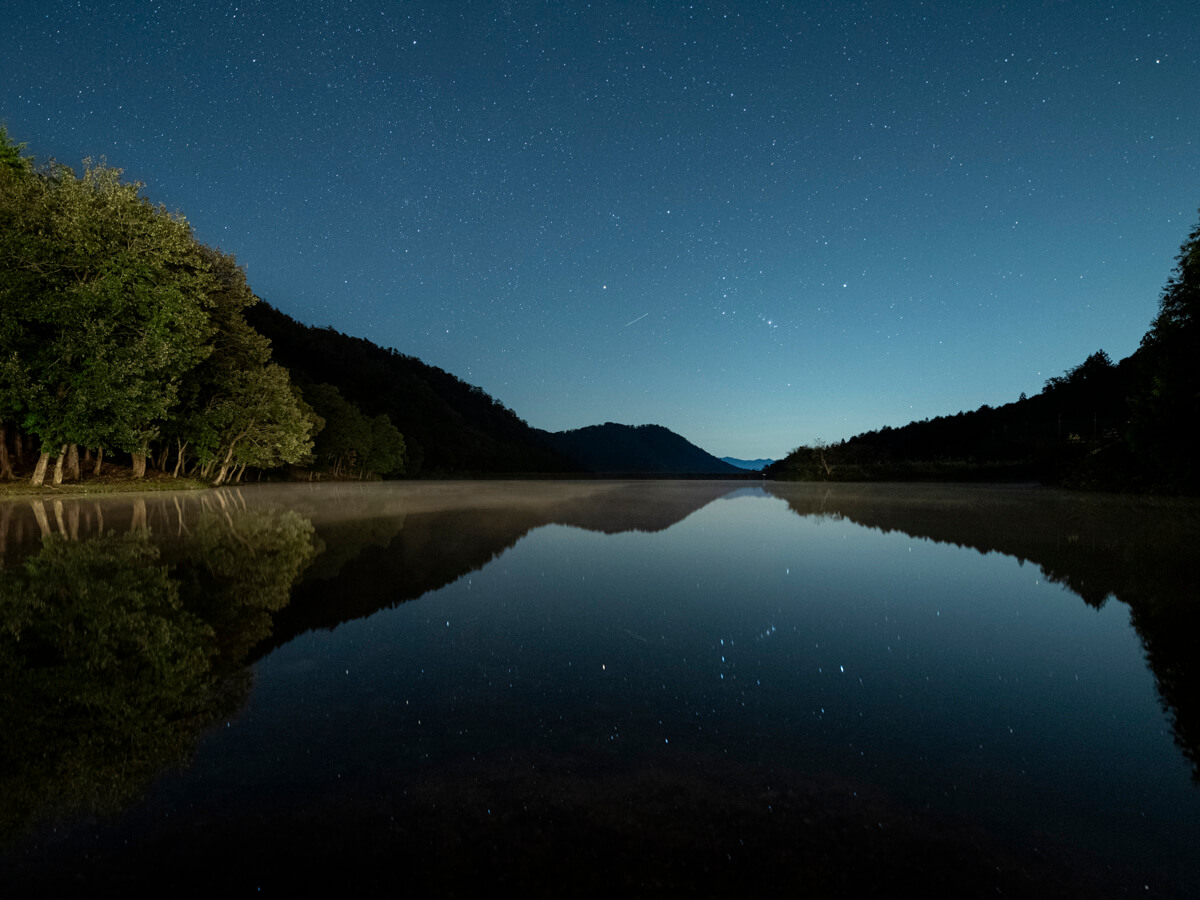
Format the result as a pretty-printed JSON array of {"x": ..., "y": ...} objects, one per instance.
[{"x": 586, "y": 686}]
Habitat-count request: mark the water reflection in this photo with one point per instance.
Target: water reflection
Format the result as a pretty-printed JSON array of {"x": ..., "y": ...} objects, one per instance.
[
  {"x": 118, "y": 649},
  {"x": 1135, "y": 549},
  {"x": 1138, "y": 550},
  {"x": 652, "y": 670}
]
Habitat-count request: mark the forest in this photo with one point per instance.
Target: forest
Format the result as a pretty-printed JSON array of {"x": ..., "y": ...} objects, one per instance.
[{"x": 1100, "y": 425}]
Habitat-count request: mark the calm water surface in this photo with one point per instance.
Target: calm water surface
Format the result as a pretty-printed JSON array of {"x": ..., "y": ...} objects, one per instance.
[{"x": 587, "y": 686}]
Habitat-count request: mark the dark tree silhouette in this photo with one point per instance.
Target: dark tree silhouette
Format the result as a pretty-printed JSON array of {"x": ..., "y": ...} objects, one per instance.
[{"x": 1168, "y": 395}]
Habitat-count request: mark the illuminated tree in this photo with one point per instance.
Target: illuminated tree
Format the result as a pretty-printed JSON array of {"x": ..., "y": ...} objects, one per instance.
[{"x": 104, "y": 309}]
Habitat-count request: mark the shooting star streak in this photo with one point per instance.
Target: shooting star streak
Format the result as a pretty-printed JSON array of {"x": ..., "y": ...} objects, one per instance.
[{"x": 638, "y": 319}]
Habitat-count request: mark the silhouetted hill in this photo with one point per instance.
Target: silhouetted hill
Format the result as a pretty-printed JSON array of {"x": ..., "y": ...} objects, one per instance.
[
  {"x": 448, "y": 425},
  {"x": 753, "y": 465},
  {"x": 643, "y": 449},
  {"x": 1070, "y": 432}
]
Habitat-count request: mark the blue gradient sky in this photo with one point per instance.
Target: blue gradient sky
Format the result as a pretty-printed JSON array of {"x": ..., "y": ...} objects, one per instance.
[{"x": 755, "y": 223}]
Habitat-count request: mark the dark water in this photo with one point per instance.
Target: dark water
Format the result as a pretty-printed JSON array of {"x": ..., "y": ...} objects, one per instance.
[{"x": 587, "y": 687}]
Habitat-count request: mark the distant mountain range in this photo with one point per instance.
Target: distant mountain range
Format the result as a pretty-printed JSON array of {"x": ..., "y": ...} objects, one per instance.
[
  {"x": 754, "y": 465},
  {"x": 634, "y": 449},
  {"x": 454, "y": 428}
]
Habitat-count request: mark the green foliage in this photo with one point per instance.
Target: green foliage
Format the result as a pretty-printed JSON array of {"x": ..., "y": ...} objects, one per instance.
[
  {"x": 346, "y": 437},
  {"x": 349, "y": 439},
  {"x": 10, "y": 154},
  {"x": 386, "y": 456},
  {"x": 102, "y": 307},
  {"x": 117, "y": 329},
  {"x": 238, "y": 408}
]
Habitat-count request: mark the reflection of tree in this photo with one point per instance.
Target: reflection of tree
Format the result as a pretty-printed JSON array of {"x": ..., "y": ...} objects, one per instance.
[
  {"x": 1168, "y": 631},
  {"x": 105, "y": 677},
  {"x": 237, "y": 568},
  {"x": 1139, "y": 550},
  {"x": 116, "y": 653}
]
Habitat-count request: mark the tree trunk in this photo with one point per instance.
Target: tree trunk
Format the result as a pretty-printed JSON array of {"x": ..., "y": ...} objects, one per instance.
[
  {"x": 5, "y": 465},
  {"x": 240, "y": 472},
  {"x": 73, "y": 462},
  {"x": 139, "y": 465},
  {"x": 99, "y": 461},
  {"x": 39, "y": 471},
  {"x": 58, "y": 465},
  {"x": 19, "y": 447},
  {"x": 180, "y": 458},
  {"x": 223, "y": 472},
  {"x": 162, "y": 460}
]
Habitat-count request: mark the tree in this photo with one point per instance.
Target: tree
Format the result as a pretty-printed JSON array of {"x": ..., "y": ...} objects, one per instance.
[
  {"x": 104, "y": 308},
  {"x": 387, "y": 453},
  {"x": 260, "y": 420},
  {"x": 15, "y": 185},
  {"x": 346, "y": 439},
  {"x": 11, "y": 154},
  {"x": 1167, "y": 400}
]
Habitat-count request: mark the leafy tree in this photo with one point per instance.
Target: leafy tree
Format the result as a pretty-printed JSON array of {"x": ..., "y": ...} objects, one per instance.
[
  {"x": 260, "y": 420},
  {"x": 104, "y": 300},
  {"x": 386, "y": 456},
  {"x": 10, "y": 154},
  {"x": 17, "y": 187},
  {"x": 346, "y": 438},
  {"x": 238, "y": 409}
]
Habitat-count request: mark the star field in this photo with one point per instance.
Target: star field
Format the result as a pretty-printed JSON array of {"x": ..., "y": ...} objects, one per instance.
[{"x": 754, "y": 223}]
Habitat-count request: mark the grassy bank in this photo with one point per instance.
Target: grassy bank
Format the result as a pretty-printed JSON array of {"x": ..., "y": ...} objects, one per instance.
[{"x": 104, "y": 484}]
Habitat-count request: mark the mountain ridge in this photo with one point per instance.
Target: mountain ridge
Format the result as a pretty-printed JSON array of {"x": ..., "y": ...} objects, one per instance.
[
  {"x": 455, "y": 428},
  {"x": 751, "y": 465},
  {"x": 643, "y": 449}
]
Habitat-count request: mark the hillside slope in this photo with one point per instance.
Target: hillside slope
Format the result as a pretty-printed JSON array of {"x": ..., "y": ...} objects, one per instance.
[
  {"x": 640, "y": 449},
  {"x": 449, "y": 426}
]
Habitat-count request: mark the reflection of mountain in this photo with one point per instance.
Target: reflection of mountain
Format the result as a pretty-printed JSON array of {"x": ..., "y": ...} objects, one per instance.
[
  {"x": 118, "y": 650},
  {"x": 1140, "y": 550},
  {"x": 436, "y": 544}
]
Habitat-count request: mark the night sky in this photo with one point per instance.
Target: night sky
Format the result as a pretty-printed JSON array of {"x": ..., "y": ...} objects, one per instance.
[{"x": 757, "y": 224}]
